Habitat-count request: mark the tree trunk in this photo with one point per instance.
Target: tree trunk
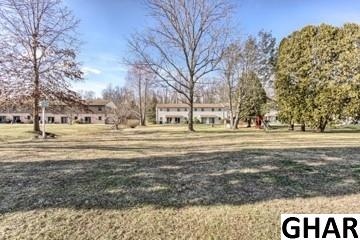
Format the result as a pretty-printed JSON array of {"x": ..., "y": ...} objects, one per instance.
[
  {"x": 231, "y": 109},
  {"x": 236, "y": 123},
  {"x": 303, "y": 127},
  {"x": 36, "y": 93},
  {"x": 322, "y": 125},
  {"x": 291, "y": 127},
  {"x": 145, "y": 102},
  {"x": 191, "y": 113},
  {"x": 231, "y": 117},
  {"x": 36, "y": 125},
  {"x": 140, "y": 101},
  {"x": 191, "y": 120},
  {"x": 248, "y": 123},
  {"x": 36, "y": 96}
]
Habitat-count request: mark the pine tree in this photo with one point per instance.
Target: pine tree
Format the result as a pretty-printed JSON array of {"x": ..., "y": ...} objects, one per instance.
[
  {"x": 318, "y": 75},
  {"x": 151, "y": 111}
]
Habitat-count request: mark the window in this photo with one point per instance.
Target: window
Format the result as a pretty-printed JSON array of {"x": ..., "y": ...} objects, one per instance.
[
  {"x": 219, "y": 109},
  {"x": 76, "y": 118},
  {"x": 88, "y": 120},
  {"x": 64, "y": 120},
  {"x": 100, "y": 118},
  {"x": 100, "y": 109},
  {"x": 168, "y": 110},
  {"x": 202, "y": 109},
  {"x": 185, "y": 109},
  {"x": 213, "y": 109},
  {"x": 28, "y": 117},
  {"x": 195, "y": 109},
  {"x": 16, "y": 119},
  {"x": 178, "y": 109},
  {"x": 51, "y": 119}
]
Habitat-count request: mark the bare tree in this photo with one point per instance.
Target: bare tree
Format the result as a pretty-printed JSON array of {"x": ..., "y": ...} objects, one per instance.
[
  {"x": 267, "y": 61},
  {"x": 141, "y": 79},
  {"x": 38, "y": 48},
  {"x": 124, "y": 102},
  {"x": 186, "y": 43},
  {"x": 87, "y": 95},
  {"x": 230, "y": 66}
]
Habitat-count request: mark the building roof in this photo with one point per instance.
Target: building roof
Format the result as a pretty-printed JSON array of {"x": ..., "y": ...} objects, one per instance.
[
  {"x": 196, "y": 105},
  {"x": 97, "y": 102},
  {"x": 56, "y": 106}
]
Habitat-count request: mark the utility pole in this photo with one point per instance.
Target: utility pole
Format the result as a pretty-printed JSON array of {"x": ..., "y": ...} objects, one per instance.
[{"x": 43, "y": 104}]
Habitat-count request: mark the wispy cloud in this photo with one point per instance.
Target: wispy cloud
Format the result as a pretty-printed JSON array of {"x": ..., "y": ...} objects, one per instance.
[{"x": 90, "y": 70}]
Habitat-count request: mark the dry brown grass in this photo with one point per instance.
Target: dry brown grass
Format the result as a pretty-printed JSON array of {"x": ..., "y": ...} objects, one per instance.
[{"x": 165, "y": 183}]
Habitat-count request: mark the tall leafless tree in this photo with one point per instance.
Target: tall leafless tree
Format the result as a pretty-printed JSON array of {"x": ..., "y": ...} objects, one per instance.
[
  {"x": 141, "y": 79},
  {"x": 124, "y": 101},
  {"x": 186, "y": 43},
  {"x": 38, "y": 49},
  {"x": 230, "y": 66}
]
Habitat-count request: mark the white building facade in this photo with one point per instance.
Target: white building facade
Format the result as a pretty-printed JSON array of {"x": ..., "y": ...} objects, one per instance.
[
  {"x": 96, "y": 112},
  {"x": 179, "y": 113}
]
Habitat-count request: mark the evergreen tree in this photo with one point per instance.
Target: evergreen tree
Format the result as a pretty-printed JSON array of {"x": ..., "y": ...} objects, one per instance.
[
  {"x": 318, "y": 75},
  {"x": 151, "y": 111}
]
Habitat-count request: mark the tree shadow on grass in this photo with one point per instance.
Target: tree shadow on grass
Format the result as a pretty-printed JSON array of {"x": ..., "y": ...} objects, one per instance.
[{"x": 235, "y": 178}]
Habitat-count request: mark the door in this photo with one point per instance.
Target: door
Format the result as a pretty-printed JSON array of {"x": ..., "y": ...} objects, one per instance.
[
  {"x": 2, "y": 119},
  {"x": 64, "y": 120},
  {"x": 212, "y": 120},
  {"x": 169, "y": 120},
  {"x": 51, "y": 119},
  {"x": 88, "y": 120},
  {"x": 204, "y": 120},
  {"x": 177, "y": 120},
  {"x": 16, "y": 119}
]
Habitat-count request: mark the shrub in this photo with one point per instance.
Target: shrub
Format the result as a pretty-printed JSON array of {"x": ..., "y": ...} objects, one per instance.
[
  {"x": 77, "y": 121},
  {"x": 196, "y": 120},
  {"x": 132, "y": 123}
]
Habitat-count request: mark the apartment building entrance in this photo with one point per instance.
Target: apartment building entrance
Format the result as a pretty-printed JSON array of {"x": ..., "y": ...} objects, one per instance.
[
  {"x": 173, "y": 120},
  {"x": 16, "y": 119},
  {"x": 64, "y": 120},
  {"x": 87, "y": 120},
  {"x": 51, "y": 120},
  {"x": 208, "y": 120}
]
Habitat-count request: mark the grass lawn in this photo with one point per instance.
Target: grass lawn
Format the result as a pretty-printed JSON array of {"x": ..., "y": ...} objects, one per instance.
[{"x": 165, "y": 183}]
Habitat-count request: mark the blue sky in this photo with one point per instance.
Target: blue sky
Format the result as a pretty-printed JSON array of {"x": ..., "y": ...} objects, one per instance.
[{"x": 107, "y": 24}]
